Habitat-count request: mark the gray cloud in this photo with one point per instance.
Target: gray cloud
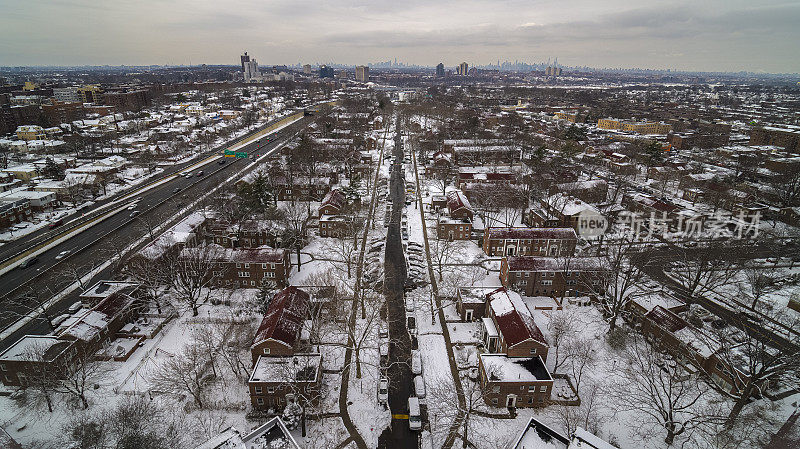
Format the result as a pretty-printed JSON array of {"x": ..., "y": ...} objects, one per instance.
[{"x": 714, "y": 35}]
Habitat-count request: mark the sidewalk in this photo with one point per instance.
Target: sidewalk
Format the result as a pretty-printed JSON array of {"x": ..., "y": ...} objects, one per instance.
[{"x": 451, "y": 435}]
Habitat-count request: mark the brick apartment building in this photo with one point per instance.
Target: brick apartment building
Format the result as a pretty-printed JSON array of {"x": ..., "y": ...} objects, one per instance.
[
  {"x": 14, "y": 212},
  {"x": 246, "y": 267},
  {"x": 302, "y": 189},
  {"x": 545, "y": 276},
  {"x": 529, "y": 241},
  {"x": 280, "y": 329},
  {"x": 559, "y": 211},
  {"x": 453, "y": 228},
  {"x": 509, "y": 327},
  {"x": 784, "y": 136},
  {"x": 277, "y": 380}
]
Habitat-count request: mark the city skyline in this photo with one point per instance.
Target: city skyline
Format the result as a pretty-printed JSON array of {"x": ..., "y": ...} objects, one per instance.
[{"x": 717, "y": 36}]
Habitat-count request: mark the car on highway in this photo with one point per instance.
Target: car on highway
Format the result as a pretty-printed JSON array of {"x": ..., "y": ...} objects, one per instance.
[
  {"x": 383, "y": 391},
  {"x": 200, "y": 173},
  {"x": 56, "y": 224},
  {"x": 176, "y": 190},
  {"x": 63, "y": 254},
  {"x": 134, "y": 213},
  {"x": 28, "y": 262},
  {"x": 222, "y": 161}
]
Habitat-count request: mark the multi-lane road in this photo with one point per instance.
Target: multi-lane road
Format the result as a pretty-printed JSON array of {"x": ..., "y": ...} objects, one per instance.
[{"x": 102, "y": 241}]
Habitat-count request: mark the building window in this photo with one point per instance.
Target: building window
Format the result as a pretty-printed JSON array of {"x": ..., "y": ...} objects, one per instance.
[
  {"x": 238, "y": 265},
  {"x": 247, "y": 265},
  {"x": 548, "y": 282},
  {"x": 260, "y": 401},
  {"x": 263, "y": 266},
  {"x": 270, "y": 389},
  {"x": 494, "y": 401},
  {"x": 530, "y": 399},
  {"x": 258, "y": 390},
  {"x": 543, "y": 388},
  {"x": 266, "y": 351}
]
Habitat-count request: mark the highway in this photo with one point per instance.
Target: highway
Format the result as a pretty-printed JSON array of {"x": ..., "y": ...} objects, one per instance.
[{"x": 105, "y": 239}]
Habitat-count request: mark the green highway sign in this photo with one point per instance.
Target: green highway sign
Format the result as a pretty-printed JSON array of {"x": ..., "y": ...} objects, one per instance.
[{"x": 239, "y": 154}]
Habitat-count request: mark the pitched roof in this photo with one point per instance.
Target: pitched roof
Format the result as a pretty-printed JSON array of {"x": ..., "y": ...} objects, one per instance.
[
  {"x": 532, "y": 233},
  {"x": 513, "y": 318},
  {"x": 666, "y": 319},
  {"x": 334, "y": 198},
  {"x": 456, "y": 200},
  {"x": 284, "y": 318}
]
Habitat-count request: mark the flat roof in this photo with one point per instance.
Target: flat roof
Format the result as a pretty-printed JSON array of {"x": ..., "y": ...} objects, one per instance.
[
  {"x": 502, "y": 368},
  {"x": 295, "y": 368},
  {"x": 30, "y": 346}
]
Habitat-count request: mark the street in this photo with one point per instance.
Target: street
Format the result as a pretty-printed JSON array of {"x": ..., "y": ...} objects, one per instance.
[{"x": 398, "y": 435}]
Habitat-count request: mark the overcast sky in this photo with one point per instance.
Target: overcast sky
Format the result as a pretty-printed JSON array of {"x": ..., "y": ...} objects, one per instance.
[{"x": 729, "y": 35}]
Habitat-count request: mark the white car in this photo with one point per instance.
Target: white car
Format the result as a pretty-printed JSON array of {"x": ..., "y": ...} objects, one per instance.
[
  {"x": 419, "y": 387},
  {"x": 63, "y": 254},
  {"x": 416, "y": 362},
  {"x": 383, "y": 391}
]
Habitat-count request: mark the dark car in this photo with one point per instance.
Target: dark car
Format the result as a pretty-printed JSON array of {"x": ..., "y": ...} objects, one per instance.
[
  {"x": 221, "y": 161},
  {"x": 28, "y": 262},
  {"x": 55, "y": 224},
  {"x": 200, "y": 173},
  {"x": 176, "y": 190}
]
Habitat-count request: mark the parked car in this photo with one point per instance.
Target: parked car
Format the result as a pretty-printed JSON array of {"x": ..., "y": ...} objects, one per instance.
[
  {"x": 383, "y": 391},
  {"x": 56, "y": 223},
  {"x": 74, "y": 307},
  {"x": 414, "y": 416},
  {"x": 419, "y": 386},
  {"x": 416, "y": 362}
]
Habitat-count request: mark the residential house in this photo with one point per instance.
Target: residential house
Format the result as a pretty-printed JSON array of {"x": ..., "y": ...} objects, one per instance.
[
  {"x": 276, "y": 381},
  {"x": 271, "y": 434},
  {"x": 280, "y": 329}
]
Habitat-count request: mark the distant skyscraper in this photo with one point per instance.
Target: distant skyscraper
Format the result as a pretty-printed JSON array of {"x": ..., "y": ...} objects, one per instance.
[
  {"x": 463, "y": 69},
  {"x": 251, "y": 70},
  {"x": 245, "y": 59},
  {"x": 307, "y": 69},
  {"x": 325, "y": 71},
  {"x": 362, "y": 73},
  {"x": 440, "y": 70}
]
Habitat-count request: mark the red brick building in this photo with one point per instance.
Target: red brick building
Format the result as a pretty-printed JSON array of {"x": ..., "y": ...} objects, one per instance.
[
  {"x": 276, "y": 380},
  {"x": 247, "y": 267},
  {"x": 537, "y": 276},
  {"x": 279, "y": 332},
  {"x": 458, "y": 206},
  {"x": 529, "y": 241}
]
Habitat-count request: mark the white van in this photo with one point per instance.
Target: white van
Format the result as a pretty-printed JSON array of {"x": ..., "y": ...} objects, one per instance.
[
  {"x": 414, "y": 417},
  {"x": 416, "y": 362},
  {"x": 419, "y": 386}
]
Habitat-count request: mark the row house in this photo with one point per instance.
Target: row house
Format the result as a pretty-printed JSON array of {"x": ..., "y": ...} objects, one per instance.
[
  {"x": 693, "y": 348},
  {"x": 594, "y": 191},
  {"x": 537, "y": 276},
  {"x": 14, "y": 212},
  {"x": 276, "y": 381},
  {"x": 242, "y": 268},
  {"x": 86, "y": 332},
  {"x": 302, "y": 188},
  {"x": 559, "y": 211},
  {"x": 523, "y": 241},
  {"x": 471, "y": 302},
  {"x": 647, "y": 204},
  {"x": 337, "y": 226},
  {"x": 250, "y": 234},
  {"x": 333, "y": 203},
  {"x": 279, "y": 333},
  {"x": 448, "y": 228},
  {"x": 487, "y": 175},
  {"x": 458, "y": 205},
  {"x": 512, "y": 371},
  {"x": 538, "y": 435},
  {"x": 478, "y": 155}
]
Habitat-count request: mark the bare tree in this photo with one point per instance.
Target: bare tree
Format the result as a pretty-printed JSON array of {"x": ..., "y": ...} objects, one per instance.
[
  {"x": 41, "y": 376},
  {"x": 443, "y": 252},
  {"x": 192, "y": 275},
  {"x": 660, "y": 393},
  {"x": 756, "y": 363},
  {"x": 562, "y": 328},
  {"x": 132, "y": 423},
  {"x": 79, "y": 373},
  {"x": 444, "y": 409},
  {"x": 590, "y": 414},
  {"x": 580, "y": 356},
  {"x": 183, "y": 373},
  {"x": 703, "y": 271},
  {"x": 616, "y": 279}
]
